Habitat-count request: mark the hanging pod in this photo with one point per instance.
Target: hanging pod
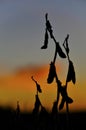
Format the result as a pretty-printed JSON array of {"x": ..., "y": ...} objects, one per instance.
[
  {"x": 69, "y": 99},
  {"x": 49, "y": 28},
  {"x": 65, "y": 98},
  {"x": 52, "y": 73},
  {"x": 45, "y": 40},
  {"x": 71, "y": 73},
  {"x": 59, "y": 50},
  {"x": 48, "y": 25},
  {"x": 64, "y": 94}
]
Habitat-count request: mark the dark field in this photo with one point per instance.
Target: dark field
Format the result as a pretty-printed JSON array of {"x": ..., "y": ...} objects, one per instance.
[{"x": 10, "y": 120}]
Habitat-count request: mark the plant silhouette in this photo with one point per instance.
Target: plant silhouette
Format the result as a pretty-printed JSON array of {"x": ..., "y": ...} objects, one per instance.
[
  {"x": 38, "y": 103},
  {"x": 37, "y": 100},
  {"x": 41, "y": 119},
  {"x": 18, "y": 112},
  {"x": 39, "y": 112},
  {"x": 61, "y": 90}
]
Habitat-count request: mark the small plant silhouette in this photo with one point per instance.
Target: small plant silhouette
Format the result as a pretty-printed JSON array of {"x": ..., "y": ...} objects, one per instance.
[
  {"x": 38, "y": 103},
  {"x": 18, "y": 110},
  {"x": 37, "y": 100},
  {"x": 38, "y": 111}
]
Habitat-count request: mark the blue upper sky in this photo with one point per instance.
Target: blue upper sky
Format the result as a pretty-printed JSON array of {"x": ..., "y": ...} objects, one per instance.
[{"x": 22, "y": 27}]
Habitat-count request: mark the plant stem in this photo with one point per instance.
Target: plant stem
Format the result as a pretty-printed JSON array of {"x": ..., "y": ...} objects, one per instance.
[
  {"x": 55, "y": 49},
  {"x": 67, "y": 110}
]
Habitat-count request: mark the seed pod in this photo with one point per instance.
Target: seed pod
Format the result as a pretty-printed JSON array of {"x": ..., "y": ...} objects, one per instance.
[
  {"x": 59, "y": 50},
  {"x": 45, "y": 40},
  {"x": 52, "y": 73},
  {"x": 71, "y": 73}
]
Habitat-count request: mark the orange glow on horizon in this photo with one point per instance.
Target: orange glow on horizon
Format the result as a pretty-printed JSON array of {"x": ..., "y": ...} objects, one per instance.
[{"x": 19, "y": 86}]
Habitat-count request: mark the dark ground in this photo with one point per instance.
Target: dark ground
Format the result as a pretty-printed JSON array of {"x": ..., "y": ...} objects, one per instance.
[{"x": 10, "y": 120}]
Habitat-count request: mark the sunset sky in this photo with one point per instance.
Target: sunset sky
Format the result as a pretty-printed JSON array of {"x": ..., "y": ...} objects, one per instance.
[{"x": 22, "y": 28}]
